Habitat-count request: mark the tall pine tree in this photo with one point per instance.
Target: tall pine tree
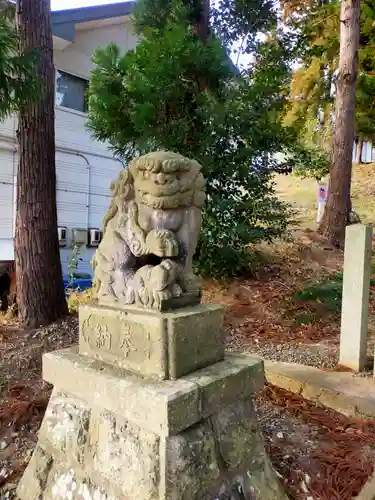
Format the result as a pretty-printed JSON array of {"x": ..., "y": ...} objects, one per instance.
[
  {"x": 313, "y": 83},
  {"x": 336, "y": 213},
  {"x": 40, "y": 289},
  {"x": 179, "y": 90},
  {"x": 18, "y": 75}
]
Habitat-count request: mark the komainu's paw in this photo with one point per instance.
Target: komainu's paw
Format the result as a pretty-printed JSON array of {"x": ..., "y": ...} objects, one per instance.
[
  {"x": 162, "y": 243},
  {"x": 152, "y": 299},
  {"x": 192, "y": 283}
]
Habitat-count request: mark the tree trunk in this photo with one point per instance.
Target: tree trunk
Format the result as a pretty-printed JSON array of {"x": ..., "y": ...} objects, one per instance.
[
  {"x": 203, "y": 27},
  {"x": 358, "y": 156},
  {"x": 336, "y": 213},
  {"x": 40, "y": 289}
]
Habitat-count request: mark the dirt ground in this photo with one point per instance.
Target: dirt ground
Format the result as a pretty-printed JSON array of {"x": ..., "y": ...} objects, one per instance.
[{"x": 318, "y": 454}]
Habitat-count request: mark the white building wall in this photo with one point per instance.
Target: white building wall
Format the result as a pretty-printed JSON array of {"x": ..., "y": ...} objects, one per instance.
[
  {"x": 84, "y": 167},
  {"x": 76, "y": 58},
  {"x": 367, "y": 152}
]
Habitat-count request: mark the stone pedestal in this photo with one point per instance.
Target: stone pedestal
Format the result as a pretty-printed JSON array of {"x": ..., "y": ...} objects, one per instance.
[
  {"x": 152, "y": 343},
  {"x": 110, "y": 433}
]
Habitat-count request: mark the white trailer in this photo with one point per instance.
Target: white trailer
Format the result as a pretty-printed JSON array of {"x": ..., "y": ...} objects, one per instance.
[
  {"x": 84, "y": 167},
  {"x": 84, "y": 174}
]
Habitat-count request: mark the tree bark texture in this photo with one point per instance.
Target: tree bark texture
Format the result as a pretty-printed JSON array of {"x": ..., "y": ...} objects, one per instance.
[
  {"x": 40, "y": 290},
  {"x": 336, "y": 213},
  {"x": 203, "y": 27}
]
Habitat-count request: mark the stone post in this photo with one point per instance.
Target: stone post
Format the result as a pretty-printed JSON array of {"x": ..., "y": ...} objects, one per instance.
[{"x": 355, "y": 296}]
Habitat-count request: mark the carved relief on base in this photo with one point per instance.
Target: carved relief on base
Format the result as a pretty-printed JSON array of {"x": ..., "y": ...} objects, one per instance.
[{"x": 124, "y": 339}]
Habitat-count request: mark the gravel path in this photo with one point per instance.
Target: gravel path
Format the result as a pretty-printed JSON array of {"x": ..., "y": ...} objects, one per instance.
[{"x": 319, "y": 355}]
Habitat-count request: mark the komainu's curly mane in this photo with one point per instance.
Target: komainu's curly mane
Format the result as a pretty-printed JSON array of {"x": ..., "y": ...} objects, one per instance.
[{"x": 122, "y": 190}]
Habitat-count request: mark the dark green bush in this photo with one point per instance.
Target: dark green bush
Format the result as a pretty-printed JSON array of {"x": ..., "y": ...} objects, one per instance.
[{"x": 174, "y": 92}]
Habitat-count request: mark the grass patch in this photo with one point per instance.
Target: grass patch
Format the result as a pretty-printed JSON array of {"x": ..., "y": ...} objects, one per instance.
[
  {"x": 306, "y": 318},
  {"x": 302, "y": 195},
  {"x": 327, "y": 292}
]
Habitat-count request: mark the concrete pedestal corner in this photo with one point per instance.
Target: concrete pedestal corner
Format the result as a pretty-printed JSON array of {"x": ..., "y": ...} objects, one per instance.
[{"x": 109, "y": 434}]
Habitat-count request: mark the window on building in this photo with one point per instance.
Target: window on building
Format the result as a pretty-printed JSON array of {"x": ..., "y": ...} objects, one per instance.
[{"x": 71, "y": 91}]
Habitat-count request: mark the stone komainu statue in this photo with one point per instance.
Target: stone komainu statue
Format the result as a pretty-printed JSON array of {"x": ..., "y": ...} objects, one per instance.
[{"x": 151, "y": 232}]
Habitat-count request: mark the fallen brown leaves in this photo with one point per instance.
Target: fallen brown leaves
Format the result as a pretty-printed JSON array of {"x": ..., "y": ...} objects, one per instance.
[
  {"x": 257, "y": 311},
  {"x": 23, "y": 394},
  {"x": 21, "y": 407},
  {"x": 264, "y": 309},
  {"x": 341, "y": 466}
]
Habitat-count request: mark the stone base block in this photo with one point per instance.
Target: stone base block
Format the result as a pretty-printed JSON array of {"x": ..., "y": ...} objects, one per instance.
[
  {"x": 108, "y": 435},
  {"x": 152, "y": 343}
]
